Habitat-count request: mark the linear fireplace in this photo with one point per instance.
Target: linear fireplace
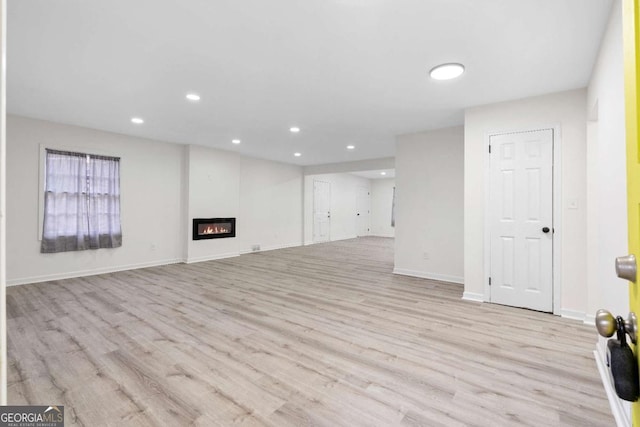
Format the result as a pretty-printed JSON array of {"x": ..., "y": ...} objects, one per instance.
[{"x": 213, "y": 228}]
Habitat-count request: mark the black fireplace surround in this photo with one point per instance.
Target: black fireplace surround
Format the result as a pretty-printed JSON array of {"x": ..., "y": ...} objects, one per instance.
[{"x": 213, "y": 228}]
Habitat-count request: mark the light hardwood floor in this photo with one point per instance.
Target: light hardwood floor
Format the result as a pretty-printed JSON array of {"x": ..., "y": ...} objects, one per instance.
[{"x": 319, "y": 335}]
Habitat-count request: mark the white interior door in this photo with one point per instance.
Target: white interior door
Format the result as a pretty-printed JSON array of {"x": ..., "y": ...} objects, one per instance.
[
  {"x": 521, "y": 219},
  {"x": 363, "y": 211},
  {"x": 321, "y": 211}
]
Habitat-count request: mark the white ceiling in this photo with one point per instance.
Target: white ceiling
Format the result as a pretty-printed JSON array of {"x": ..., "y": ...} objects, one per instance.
[{"x": 344, "y": 71}]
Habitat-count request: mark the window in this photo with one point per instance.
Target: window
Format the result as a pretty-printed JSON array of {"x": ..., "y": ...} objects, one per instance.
[
  {"x": 393, "y": 208},
  {"x": 81, "y": 202}
]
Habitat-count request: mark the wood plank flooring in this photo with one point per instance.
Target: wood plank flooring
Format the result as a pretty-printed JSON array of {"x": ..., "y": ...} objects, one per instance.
[{"x": 319, "y": 335}]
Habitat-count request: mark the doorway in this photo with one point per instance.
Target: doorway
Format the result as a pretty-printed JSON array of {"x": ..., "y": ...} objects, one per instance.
[
  {"x": 363, "y": 211},
  {"x": 520, "y": 222},
  {"x": 321, "y": 211}
]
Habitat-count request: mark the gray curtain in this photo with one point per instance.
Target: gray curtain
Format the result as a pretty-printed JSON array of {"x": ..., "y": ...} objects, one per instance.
[
  {"x": 81, "y": 202},
  {"x": 393, "y": 208}
]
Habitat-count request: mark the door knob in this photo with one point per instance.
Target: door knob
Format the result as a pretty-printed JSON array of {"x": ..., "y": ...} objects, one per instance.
[
  {"x": 545, "y": 229},
  {"x": 606, "y": 324},
  {"x": 626, "y": 267}
]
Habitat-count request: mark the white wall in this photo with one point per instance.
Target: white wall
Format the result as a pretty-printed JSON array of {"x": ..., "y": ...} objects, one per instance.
[
  {"x": 346, "y": 167},
  {"x": 163, "y": 186},
  {"x": 381, "y": 199},
  {"x": 566, "y": 110},
  {"x": 151, "y": 208},
  {"x": 270, "y": 204},
  {"x": 606, "y": 174},
  {"x": 429, "y": 204},
  {"x": 214, "y": 192},
  {"x": 606, "y": 188},
  {"x": 343, "y": 204},
  {"x": 3, "y": 204}
]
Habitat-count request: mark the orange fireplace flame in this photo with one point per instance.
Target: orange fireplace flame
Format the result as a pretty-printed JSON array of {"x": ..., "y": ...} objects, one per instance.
[{"x": 215, "y": 230}]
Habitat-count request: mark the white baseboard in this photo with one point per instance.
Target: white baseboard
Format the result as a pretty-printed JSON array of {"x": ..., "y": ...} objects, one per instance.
[
  {"x": 572, "y": 314},
  {"x": 472, "y": 296},
  {"x": 93, "y": 272},
  {"x": 351, "y": 236},
  {"x": 620, "y": 409},
  {"x": 382, "y": 235},
  {"x": 333, "y": 239},
  {"x": 212, "y": 257},
  {"x": 113, "y": 269},
  {"x": 272, "y": 248},
  {"x": 427, "y": 275},
  {"x": 589, "y": 319}
]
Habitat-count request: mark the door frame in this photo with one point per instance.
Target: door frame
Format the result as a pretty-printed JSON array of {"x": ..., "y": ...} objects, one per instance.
[
  {"x": 313, "y": 211},
  {"x": 631, "y": 61},
  {"x": 556, "y": 212},
  {"x": 368, "y": 190}
]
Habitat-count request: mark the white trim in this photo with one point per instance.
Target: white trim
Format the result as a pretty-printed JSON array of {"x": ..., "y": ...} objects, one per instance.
[
  {"x": 557, "y": 218},
  {"x": 557, "y": 211},
  {"x": 212, "y": 257},
  {"x": 307, "y": 242},
  {"x": 589, "y": 319},
  {"x": 486, "y": 289},
  {"x": 113, "y": 269},
  {"x": 620, "y": 409},
  {"x": 382, "y": 235},
  {"x": 368, "y": 190},
  {"x": 352, "y": 236},
  {"x": 271, "y": 248},
  {"x": 185, "y": 218},
  {"x": 313, "y": 212},
  {"x": 572, "y": 314},
  {"x": 3, "y": 202},
  {"x": 428, "y": 275},
  {"x": 92, "y": 272},
  {"x": 472, "y": 296}
]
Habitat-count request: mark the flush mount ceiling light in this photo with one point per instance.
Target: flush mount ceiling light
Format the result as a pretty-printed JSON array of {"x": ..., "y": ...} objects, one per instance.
[
  {"x": 297, "y": 154},
  {"x": 446, "y": 71},
  {"x": 193, "y": 97},
  {"x": 137, "y": 120},
  {"x": 235, "y": 141},
  {"x": 383, "y": 173},
  {"x": 294, "y": 129},
  {"x": 351, "y": 147}
]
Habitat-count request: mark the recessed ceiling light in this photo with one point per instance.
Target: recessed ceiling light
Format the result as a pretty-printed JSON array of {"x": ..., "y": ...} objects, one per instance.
[
  {"x": 294, "y": 129},
  {"x": 351, "y": 147},
  {"x": 383, "y": 173},
  {"x": 137, "y": 120},
  {"x": 297, "y": 154},
  {"x": 193, "y": 97},
  {"x": 235, "y": 141},
  {"x": 446, "y": 71}
]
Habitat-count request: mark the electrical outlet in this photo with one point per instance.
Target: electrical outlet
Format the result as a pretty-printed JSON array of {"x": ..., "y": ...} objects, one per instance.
[
  {"x": 573, "y": 204},
  {"x": 425, "y": 255},
  {"x": 255, "y": 248}
]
